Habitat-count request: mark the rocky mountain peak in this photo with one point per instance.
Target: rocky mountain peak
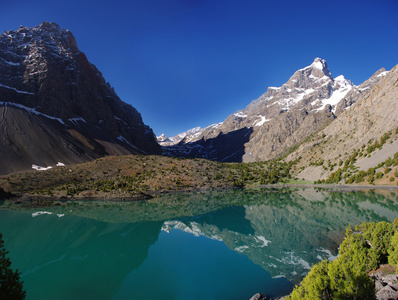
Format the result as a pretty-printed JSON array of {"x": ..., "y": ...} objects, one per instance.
[
  {"x": 162, "y": 138},
  {"x": 46, "y": 36},
  {"x": 285, "y": 115},
  {"x": 312, "y": 76},
  {"x": 44, "y": 72},
  {"x": 320, "y": 64}
]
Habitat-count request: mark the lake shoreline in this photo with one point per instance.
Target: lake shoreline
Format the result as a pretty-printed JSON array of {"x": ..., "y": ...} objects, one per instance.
[
  {"x": 48, "y": 200},
  {"x": 343, "y": 187}
]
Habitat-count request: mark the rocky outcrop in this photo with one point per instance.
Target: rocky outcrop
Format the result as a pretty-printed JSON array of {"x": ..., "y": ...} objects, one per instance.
[
  {"x": 62, "y": 99},
  {"x": 386, "y": 282}
]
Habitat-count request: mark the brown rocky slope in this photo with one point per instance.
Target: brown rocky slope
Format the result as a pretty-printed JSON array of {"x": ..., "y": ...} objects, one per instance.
[{"x": 357, "y": 129}]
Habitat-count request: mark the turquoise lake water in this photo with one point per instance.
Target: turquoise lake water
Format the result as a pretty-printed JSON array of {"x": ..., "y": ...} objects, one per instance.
[{"x": 214, "y": 245}]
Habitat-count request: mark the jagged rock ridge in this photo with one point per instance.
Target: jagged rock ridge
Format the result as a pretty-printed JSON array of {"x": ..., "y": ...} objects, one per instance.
[
  {"x": 55, "y": 105},
  {"x": 186, "y": 137},
  {"x": 374, "y": 113},
  {"x": 284, "y": 116}
]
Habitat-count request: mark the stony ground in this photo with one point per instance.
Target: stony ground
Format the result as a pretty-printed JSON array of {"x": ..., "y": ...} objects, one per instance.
[{"x": 137, "y": 177}]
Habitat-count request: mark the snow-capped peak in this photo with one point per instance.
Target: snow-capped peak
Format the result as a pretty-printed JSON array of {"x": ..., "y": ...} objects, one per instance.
[
  {"x": 162, "y": 138},
  {"x": 317, "y": 69},
  {"x": 319, "y": 63}
]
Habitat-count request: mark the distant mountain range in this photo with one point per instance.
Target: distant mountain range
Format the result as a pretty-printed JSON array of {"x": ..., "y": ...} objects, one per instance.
[
  {"x": 55, "y": 106},
  {"x": 280, "y": 119}
]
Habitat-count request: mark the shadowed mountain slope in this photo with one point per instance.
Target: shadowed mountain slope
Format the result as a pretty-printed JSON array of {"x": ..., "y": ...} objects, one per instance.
[{"x": 56, "y": 106}]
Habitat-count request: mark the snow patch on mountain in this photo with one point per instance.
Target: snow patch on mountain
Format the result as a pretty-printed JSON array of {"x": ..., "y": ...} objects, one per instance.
[
  {"x": 116, "y": 118},
  {"x": 240, "y": 115},
  {"x": 77, "y": 120},
  {"x": 262, "y": 121},
  {"x": 340, "y": 89},
  {"x": 39, "y": 168},
  {"x": 383, "y": 74},
  {"x": 18, "y": 91},
  {"x": 124, "y": 140},
  {"x": 31, "y": 110}
]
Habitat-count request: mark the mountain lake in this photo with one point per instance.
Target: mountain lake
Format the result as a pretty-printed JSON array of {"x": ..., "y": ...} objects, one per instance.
[{"x": 227, "y": 244}]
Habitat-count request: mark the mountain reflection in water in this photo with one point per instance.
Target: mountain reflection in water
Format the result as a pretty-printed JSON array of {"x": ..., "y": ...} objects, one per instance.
[{"x": 101, "y": 250}]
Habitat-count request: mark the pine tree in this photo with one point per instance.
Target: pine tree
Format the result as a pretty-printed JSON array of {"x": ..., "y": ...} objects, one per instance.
[{"x": 10, "y": 281}]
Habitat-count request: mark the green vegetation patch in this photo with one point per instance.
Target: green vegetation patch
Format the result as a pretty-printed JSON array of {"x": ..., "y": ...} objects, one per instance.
[
  {"x": 363, "y": 250},
  {"x": 144, "y": 176}
]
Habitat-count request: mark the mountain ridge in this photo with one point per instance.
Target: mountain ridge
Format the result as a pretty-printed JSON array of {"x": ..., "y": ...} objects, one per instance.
[
  {"x": 372, "y": 118},
  {"x": 64, "y": 100},
  {"x": 284, "y": 116}
]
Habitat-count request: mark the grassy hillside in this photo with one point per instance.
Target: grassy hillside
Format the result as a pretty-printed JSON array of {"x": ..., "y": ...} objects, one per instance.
[{"x": 374, "y": 162}]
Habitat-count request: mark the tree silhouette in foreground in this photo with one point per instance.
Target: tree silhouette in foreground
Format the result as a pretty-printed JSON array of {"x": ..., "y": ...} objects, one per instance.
[{"x": 10, "y": 281}]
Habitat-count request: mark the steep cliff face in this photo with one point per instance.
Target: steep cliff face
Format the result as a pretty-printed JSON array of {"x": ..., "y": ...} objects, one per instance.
[
  {"x": 285, "y": 116},
  {"x": 47, "y": 85}
]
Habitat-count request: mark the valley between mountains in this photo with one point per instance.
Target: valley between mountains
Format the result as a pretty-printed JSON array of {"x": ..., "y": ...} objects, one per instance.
[
  {"x": 65, "y": 133},
  {"x": 66, "y": 136}
]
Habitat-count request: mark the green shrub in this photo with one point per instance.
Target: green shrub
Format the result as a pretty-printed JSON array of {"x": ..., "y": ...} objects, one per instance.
[
  {"x": 346, "y": 277},
  {"x": 393, "y": 251},
  {"x": 316, "y": 285}
]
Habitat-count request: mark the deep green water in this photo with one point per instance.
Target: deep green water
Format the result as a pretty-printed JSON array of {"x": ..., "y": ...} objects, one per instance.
[{"x": 214, "y": 245}]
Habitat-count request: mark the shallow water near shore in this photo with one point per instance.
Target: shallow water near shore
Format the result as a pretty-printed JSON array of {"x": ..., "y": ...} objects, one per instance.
[{"x": 209, "y": 245}]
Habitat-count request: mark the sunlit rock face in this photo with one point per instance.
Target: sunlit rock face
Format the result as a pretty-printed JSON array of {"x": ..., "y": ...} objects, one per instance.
[{"x": 283, "y": 116}]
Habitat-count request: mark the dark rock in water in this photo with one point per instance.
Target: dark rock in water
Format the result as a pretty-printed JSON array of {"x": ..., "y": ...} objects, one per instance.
[
  {"x": 56, "y": 106},
  {"x": 258, "y": 296}
]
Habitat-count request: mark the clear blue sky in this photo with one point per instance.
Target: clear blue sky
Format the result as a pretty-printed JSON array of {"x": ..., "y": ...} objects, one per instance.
[{"x": 187, "y": 63}]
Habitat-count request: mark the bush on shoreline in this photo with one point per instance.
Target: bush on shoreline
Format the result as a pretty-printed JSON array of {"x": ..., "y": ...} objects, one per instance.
[{"x": 363, "y": 250}]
